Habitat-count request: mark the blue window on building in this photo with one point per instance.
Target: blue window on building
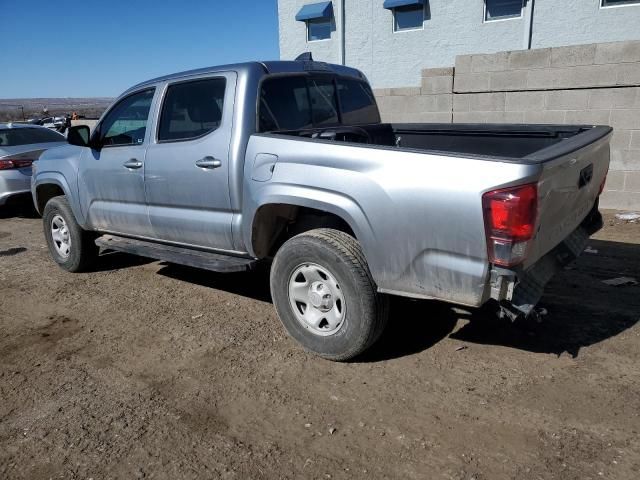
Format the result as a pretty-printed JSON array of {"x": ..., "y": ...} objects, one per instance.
[
  {"x": 319, "y": 20},
  {"x": 408, "y": 18},
  {"x": 319, "y": 29},
  {"x": 502, "y": 9},
  {"x": 407, "y": 14},
  {"x": 614, "y": 3}
]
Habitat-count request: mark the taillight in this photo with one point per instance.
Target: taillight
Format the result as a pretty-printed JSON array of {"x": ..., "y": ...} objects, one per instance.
[
  {"x": 9, "y": 163},
  {"x": 604, "y": 181},
  {"x": 510, "y": 216}
]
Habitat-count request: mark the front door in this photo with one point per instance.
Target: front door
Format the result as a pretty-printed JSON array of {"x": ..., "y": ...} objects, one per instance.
[
  {"x": 187, "y": 167},
  {"x": 111, "y": 178}
]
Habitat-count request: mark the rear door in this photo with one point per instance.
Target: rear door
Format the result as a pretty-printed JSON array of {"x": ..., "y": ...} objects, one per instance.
[
  {"x": 187, "y": 165},
  {"x": 111, "y": 179}
]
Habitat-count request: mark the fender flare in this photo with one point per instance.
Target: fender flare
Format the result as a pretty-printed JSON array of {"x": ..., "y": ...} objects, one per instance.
[
  {"x": 332, "y": 202},
  {"x": 55, "y": 178}
]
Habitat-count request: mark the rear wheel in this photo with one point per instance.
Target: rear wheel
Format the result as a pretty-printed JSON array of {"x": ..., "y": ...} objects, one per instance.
[
  {"x": 69, "y": 245},
  {"x": 325, "y": 296}
]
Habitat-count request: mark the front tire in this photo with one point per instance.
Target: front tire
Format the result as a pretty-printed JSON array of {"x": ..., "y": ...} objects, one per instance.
[
  {"x": 69, "y": 245},
  {"x": 325, "y": 295}
]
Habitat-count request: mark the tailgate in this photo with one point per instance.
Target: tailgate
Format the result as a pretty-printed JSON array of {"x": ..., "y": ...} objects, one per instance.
[{"x": 568, "y": 188}]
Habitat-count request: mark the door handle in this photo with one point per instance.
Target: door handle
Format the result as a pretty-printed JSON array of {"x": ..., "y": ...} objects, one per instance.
[
  {"x": 133, "y": 164},
  {"x": 209, "y": 163}
]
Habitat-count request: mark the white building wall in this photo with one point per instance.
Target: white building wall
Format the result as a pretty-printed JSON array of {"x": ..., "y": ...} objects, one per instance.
[
  {"x": 574, "y": 22},
  {"x": 293, "y": 34},
  {"x": 452, "y": 27}
]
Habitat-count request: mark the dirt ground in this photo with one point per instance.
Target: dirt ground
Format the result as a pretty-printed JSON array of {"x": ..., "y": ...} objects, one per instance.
[{"x": 147, "y": 370}]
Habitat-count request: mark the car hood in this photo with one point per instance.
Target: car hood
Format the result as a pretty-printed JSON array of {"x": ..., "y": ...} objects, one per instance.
[{"x": 63, "y": 152}]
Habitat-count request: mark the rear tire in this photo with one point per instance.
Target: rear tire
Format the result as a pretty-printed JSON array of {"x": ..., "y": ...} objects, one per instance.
[
  {"x": 70, "y": 246},
  {"x": 325, "y": 295}
]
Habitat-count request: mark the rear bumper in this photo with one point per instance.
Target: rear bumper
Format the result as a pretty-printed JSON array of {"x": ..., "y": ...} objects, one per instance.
[
  {"x": 519, "y": 291},
  {"x": 14, "y": 182}
]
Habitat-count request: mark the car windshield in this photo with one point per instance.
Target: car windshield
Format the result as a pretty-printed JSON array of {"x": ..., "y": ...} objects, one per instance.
[{"x": 11, "y": 137}]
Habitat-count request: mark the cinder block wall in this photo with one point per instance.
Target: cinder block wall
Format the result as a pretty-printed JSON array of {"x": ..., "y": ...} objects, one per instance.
[
  {"x": 585, "y": 84},
  {"x": 431, "y": 102}
]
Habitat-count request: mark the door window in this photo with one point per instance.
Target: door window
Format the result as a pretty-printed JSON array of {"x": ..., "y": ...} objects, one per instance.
[
  {"x": 126, "y": 123},
  {"x": 192, "y": 109}
]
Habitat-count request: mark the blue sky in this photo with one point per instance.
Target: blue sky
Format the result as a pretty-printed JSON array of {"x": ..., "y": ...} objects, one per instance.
[{"x": 98, "y": 48}]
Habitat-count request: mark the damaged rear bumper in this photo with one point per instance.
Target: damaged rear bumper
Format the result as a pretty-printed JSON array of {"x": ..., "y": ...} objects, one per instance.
[{"x": 518, "y": 292}]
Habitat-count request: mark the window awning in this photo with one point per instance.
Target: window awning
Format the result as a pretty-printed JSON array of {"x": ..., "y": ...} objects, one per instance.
[
  {"x": 315, "y": 11},
  {"x": 401, "y": 3}
]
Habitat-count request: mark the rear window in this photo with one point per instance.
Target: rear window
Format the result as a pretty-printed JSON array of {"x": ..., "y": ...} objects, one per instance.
[
  {"x": 11, "y": 137},
  {"x": 357, "y": 102},
  {"x": 299, "y": 102}
]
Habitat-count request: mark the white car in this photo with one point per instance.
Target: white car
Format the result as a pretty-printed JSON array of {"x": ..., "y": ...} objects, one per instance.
[
  {"x": 20, "y": 145},
  {"x": 54, "y": 123}
]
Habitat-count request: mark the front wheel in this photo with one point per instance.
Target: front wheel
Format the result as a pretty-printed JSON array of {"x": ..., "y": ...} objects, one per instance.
[
  {"x": 69, "y": 245},
  {"x": 325, "y": 296}
]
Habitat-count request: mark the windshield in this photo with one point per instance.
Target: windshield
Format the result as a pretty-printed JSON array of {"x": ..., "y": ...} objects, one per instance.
[
  {"x": 303, "y": 101},
  {"x": 11, "y": 137}
]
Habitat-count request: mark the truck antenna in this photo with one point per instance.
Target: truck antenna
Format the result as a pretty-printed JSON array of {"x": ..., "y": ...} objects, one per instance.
[{"x": 304, "y": 57}]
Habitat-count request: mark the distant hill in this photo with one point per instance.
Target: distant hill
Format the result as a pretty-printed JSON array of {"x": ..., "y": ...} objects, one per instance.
[{"x": 12, "y": 108}]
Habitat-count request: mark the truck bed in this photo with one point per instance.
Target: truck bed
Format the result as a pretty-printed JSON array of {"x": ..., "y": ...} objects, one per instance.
[
  {"x": 524, "y": 143},
  {"x": 445, "y": 169}
]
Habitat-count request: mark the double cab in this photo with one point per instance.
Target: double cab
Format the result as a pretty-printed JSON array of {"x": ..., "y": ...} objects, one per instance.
[{"x": 289, "y": 163}]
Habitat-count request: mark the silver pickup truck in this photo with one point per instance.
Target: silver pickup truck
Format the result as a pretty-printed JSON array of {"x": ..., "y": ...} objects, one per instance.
[{"x": 289, "y": 162}]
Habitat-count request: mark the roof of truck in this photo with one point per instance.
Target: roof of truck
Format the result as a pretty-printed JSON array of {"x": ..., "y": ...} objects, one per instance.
[{"x": 270, "y": 67}]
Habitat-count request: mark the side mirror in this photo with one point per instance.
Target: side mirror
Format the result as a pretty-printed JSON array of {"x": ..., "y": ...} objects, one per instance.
[{"x": 79, "y": 135}]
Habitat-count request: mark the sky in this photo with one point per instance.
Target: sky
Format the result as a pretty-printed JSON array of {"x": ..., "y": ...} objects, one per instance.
[{"x": 99, "y": 48}]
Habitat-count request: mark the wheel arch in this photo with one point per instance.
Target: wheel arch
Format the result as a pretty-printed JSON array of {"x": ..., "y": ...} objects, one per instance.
[
  {"x": 309, "y": 209},
  {"x": 51, "y": 185}
]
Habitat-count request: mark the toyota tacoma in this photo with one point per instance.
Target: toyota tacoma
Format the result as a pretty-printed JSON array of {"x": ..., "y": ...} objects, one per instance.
[{"x": 288, "y": 162}]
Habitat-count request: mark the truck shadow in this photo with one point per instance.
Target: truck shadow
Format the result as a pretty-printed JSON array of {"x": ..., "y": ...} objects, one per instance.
[
  {"x": 414, "y": 326},
  {"x": 253, "y": 284},
  {"x": 19, "y": 206},
  {"x": 110, "y": 260},
  {"x": 582, "y": 311}
]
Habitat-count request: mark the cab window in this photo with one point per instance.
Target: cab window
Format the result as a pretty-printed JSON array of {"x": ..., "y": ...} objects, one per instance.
[
  {"x": 297, "y": 102},
  {"x": 192, "y": 109},
  {"x": 357, "y": 102}
]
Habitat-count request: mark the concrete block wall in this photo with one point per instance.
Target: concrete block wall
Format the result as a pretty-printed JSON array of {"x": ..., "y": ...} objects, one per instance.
[
  {"x": 584, "y": 84},
  {"x": 431, "y": 102},
  {"x": 560, "y": 68}
]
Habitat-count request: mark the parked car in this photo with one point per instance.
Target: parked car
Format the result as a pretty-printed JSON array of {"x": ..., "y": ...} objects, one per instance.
[
  {"x": 54, "y": 123},
  {"x": 20, "y": 145},
  {"x": 289, "y": 162}
]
